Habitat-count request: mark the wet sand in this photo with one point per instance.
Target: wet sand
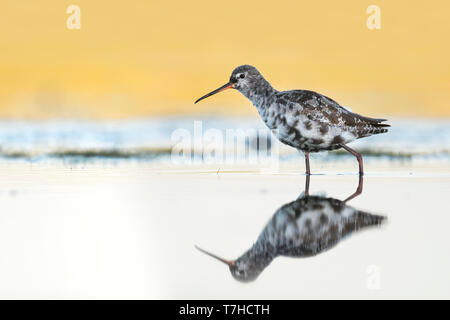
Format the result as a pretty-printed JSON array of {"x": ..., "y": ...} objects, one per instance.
[{"x": 128, "y": 231}]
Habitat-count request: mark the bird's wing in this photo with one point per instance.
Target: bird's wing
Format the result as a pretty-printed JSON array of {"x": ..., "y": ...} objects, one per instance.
[{"x": 322, "y": 109}]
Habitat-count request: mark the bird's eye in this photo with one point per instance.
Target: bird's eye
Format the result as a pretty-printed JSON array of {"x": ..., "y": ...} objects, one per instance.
[{"x": 242, "y": 76}]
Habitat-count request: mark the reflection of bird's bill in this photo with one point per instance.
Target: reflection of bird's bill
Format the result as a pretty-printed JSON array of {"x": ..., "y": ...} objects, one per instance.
[
  {"x": 228, "y": 262},
  {"x": 228, "y": 85}
]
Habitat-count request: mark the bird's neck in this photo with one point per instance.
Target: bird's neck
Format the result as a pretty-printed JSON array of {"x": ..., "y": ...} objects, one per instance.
[
  {"x": 260, "y": 94},
  {"x": 258, "y": 257}
]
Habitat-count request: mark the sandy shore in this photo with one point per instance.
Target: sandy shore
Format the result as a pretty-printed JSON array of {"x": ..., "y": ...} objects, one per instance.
[{"x": 128, "y": 231}]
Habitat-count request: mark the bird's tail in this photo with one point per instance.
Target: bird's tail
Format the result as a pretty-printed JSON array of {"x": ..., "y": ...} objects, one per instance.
[
  {"x": 362, "y": 220},
  {"x": 376, "y": 130},
  {"x": 366, "y": 219},
  {"x": 374, "y": 126}
]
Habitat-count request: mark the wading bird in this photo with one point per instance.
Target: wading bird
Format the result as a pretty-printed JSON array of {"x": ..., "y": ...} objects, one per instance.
[{"x": 305, "y": 120}]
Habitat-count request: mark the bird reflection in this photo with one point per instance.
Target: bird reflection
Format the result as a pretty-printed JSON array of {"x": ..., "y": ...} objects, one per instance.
[{"x": 302, "y": 228}]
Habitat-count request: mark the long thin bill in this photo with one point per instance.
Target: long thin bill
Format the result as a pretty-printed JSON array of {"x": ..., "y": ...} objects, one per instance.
[
  {"x": 228, "y": 262},
  {"x": 224, "y": 87}
]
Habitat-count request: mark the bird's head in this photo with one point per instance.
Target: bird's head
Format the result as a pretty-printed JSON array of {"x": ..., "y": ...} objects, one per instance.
[
  {"x": 242, "y": 269},
  {"x": 245, "y": 79}
]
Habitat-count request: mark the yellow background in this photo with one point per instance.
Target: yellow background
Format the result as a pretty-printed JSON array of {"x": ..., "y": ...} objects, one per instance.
[{"x": 139, "y": 58}]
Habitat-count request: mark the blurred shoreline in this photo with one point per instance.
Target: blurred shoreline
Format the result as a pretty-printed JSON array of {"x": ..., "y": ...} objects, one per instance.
[{"x": 153, "y": 139}]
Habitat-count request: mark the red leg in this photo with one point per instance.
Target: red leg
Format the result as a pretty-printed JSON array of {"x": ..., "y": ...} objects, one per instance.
[
  {"x": 358, "y": 157},
  {"x": 359, "y": 189},
  {"x": 307, "y": 185},
  {"x": 308, "y": 172}
]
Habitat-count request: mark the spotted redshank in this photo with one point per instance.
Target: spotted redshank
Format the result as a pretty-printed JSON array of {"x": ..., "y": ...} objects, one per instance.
[
  {"x": 303, "y": 228},
  {"x": 303, "y": 119}
]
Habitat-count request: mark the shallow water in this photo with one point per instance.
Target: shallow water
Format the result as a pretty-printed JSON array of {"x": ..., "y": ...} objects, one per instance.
[
  {"x": 153, "y": 139},
  {"x": 102, "y": 210},
  {"x": 97, "y": 230}
]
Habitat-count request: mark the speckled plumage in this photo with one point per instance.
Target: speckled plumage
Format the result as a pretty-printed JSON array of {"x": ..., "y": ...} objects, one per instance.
[
  {"x": 305, "y": 120},
  {"x": 303, "y": 228}
]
